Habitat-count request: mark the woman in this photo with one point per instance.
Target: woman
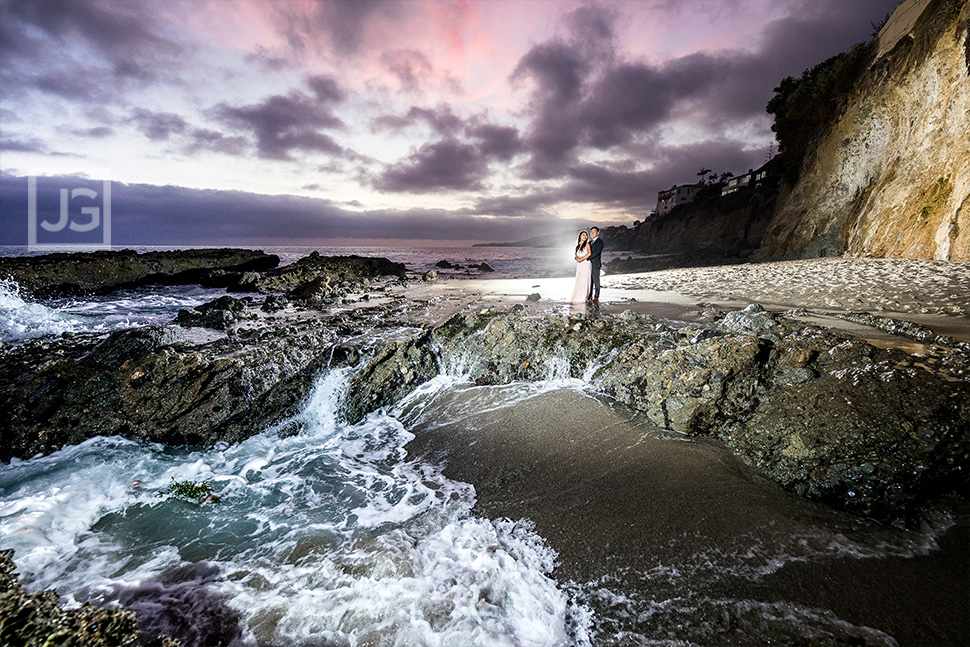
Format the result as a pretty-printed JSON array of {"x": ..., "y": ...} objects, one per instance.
[{"x": 584, "y": 270}]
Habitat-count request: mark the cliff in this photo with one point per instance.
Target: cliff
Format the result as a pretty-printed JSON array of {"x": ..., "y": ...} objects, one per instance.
[
  {"x": 728, "y": 225},
  {"x": 889, "y": 174}
]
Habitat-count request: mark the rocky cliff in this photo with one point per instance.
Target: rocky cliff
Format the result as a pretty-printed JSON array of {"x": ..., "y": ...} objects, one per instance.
[{"x": 890, "y": 175}]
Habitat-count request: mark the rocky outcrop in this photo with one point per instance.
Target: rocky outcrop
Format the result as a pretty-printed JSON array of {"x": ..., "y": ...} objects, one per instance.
[
  {"x": 827, "y": 415},
  {"x": 317, "y": 275},
  {"x": 891, "y": 175},
  {"x": 830, "y": 417},
  {"x": 62, "y": 274}
]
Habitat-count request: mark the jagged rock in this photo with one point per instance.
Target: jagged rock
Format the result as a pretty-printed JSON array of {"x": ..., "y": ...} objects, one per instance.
[
  {"x": 393, "y": 372},
  {"x": 38, "y": 619},
  {"x": 218, "y": 314},
  {"x": 446, "y": 265},
  {"x": 332, "y": 270},
  {"x": 149, "y": 384},
  {"x": 60, "y": 274},
  {"x": 828, "y": 416},
  {"x": 752, "y": 319},
  {"x": 313, "y": 291},
  {"x": 430, "y": 276},
  {"x": 274, "y": 303},
  {"x": 484, "y": 267}
]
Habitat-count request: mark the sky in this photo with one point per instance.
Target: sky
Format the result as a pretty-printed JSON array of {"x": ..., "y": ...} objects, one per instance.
[{"x": 305, "y": 122}]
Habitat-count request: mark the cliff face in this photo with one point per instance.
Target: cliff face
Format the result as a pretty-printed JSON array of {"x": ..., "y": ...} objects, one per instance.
[
  {"x": 728, "y": 225},
  {"x": 891, "y": 176}
]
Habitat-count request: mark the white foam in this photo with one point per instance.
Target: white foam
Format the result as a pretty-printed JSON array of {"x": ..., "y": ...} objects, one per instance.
[
  {"x": 21, "y": 319},
  {"x": 472, "y": 582},
  {"x": 330, "y": 535}
]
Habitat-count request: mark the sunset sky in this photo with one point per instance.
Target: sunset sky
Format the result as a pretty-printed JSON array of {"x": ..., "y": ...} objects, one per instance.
[{"x": 311, "y": 122}]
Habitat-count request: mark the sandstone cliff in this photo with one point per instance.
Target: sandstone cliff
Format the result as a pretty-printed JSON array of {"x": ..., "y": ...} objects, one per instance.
[{"x": 890, "y": 177}]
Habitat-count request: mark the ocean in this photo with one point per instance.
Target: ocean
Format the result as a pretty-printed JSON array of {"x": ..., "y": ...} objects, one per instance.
[{"x": 585, "y": 525}]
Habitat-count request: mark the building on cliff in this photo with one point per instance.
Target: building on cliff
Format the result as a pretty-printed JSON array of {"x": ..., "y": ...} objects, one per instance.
[
  {"x": 675, "y": 195},
  {"x": 753, "y": 178}
]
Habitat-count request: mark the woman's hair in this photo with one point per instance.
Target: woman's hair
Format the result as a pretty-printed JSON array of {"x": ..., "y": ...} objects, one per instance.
[{"x": 579, "y": 240}]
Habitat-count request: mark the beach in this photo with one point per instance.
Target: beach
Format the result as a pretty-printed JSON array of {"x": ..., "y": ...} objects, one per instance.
[
  {"x": 473, "y": 460},
  {"x": 935, "y": 294}
]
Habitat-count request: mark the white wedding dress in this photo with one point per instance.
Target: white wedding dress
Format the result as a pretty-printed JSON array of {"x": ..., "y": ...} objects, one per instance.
[{"x": 584, "y": 276}]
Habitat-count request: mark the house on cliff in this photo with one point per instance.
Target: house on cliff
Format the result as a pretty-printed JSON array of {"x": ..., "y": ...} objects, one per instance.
[
  {"x": 753, "y": 178},
  {"x": 675, "y": 195}
]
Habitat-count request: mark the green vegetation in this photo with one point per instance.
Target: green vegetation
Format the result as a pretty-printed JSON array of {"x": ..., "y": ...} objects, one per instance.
[
  {"x": 191, "y": 491},
  {"x": 935, "y": 198},
  {"x": 804, "y": 107}
]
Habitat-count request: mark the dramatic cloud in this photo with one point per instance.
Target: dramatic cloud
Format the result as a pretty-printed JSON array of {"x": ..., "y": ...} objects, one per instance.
[
  {"x": 167, "y": 215},
  {"x": 489, "y": 112},
  {"x": 447, "y": 164},
  {"x": 283, "y": 124}
]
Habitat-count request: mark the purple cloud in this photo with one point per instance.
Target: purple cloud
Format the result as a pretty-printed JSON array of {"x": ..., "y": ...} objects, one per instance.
[{"x": 447, "y": 164}]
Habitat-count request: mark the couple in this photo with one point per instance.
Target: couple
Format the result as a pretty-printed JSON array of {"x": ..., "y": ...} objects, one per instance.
[{"x": 589, "y": 250}]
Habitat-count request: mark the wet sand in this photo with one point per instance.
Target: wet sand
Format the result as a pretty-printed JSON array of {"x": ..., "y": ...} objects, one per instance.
[{"x": 674, "y": 539}]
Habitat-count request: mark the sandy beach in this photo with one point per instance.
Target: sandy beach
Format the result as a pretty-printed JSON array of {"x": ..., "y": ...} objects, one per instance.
[{"x": 935, "y": 294}]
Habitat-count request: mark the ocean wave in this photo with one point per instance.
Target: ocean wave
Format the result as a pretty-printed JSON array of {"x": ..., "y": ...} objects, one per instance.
[{"x": 332, "y": 535}]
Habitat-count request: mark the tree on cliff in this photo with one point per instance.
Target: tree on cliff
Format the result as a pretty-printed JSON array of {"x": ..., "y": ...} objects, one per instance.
[{"x": 805, "y": 106}]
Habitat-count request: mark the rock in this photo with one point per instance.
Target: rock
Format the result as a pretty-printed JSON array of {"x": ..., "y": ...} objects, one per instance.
[
  {"x": 445, "y": 265},
  {"x": 218, "y": 314},
  {"x": 148, "y": 384},
  {"x": 392, "y": 373},
  {"x": 430, "y": 276},
  {"x": 54, "y": 275},
  {"x": 826, "y": 415},
  {"x": 811, "y": 409},
  {"x": 752, "y": 319},
  {"x": 274, "y": 303},
  {"x": 36, "y": 619},
  {"x": 312, "y": 271},
  {"x": 485, "y": 267},
  {"x": 313, "y": 291},
  {"x": 535, "y": 296}
]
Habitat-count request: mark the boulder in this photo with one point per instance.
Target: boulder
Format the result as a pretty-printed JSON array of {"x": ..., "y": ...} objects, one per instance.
[{"x": 218, "y": 314}]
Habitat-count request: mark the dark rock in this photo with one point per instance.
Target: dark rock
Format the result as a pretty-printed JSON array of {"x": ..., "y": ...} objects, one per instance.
[
  {"x": 218, "y": 314},
  {"x": 485, "y": 267},
  {"x": 145, "y": 384},
  {"x": 445, "y": 265},
  {"x": 393, "y": 372},
  {"x": 313, "y": 291},
  {"x": 827, "y": 415},
  {"x": 535, "y": 296},
  {"x": 61, "y": 274},
  {"x": 317, "y": 270},
  {"x": 274, "y": 303}
]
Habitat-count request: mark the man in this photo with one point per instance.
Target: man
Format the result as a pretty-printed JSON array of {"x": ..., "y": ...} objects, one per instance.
[{"x": 596, "y": 253}]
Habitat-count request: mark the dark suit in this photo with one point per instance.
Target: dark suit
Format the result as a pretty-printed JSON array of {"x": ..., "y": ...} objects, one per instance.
[{"x": 595, "y": 258}]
